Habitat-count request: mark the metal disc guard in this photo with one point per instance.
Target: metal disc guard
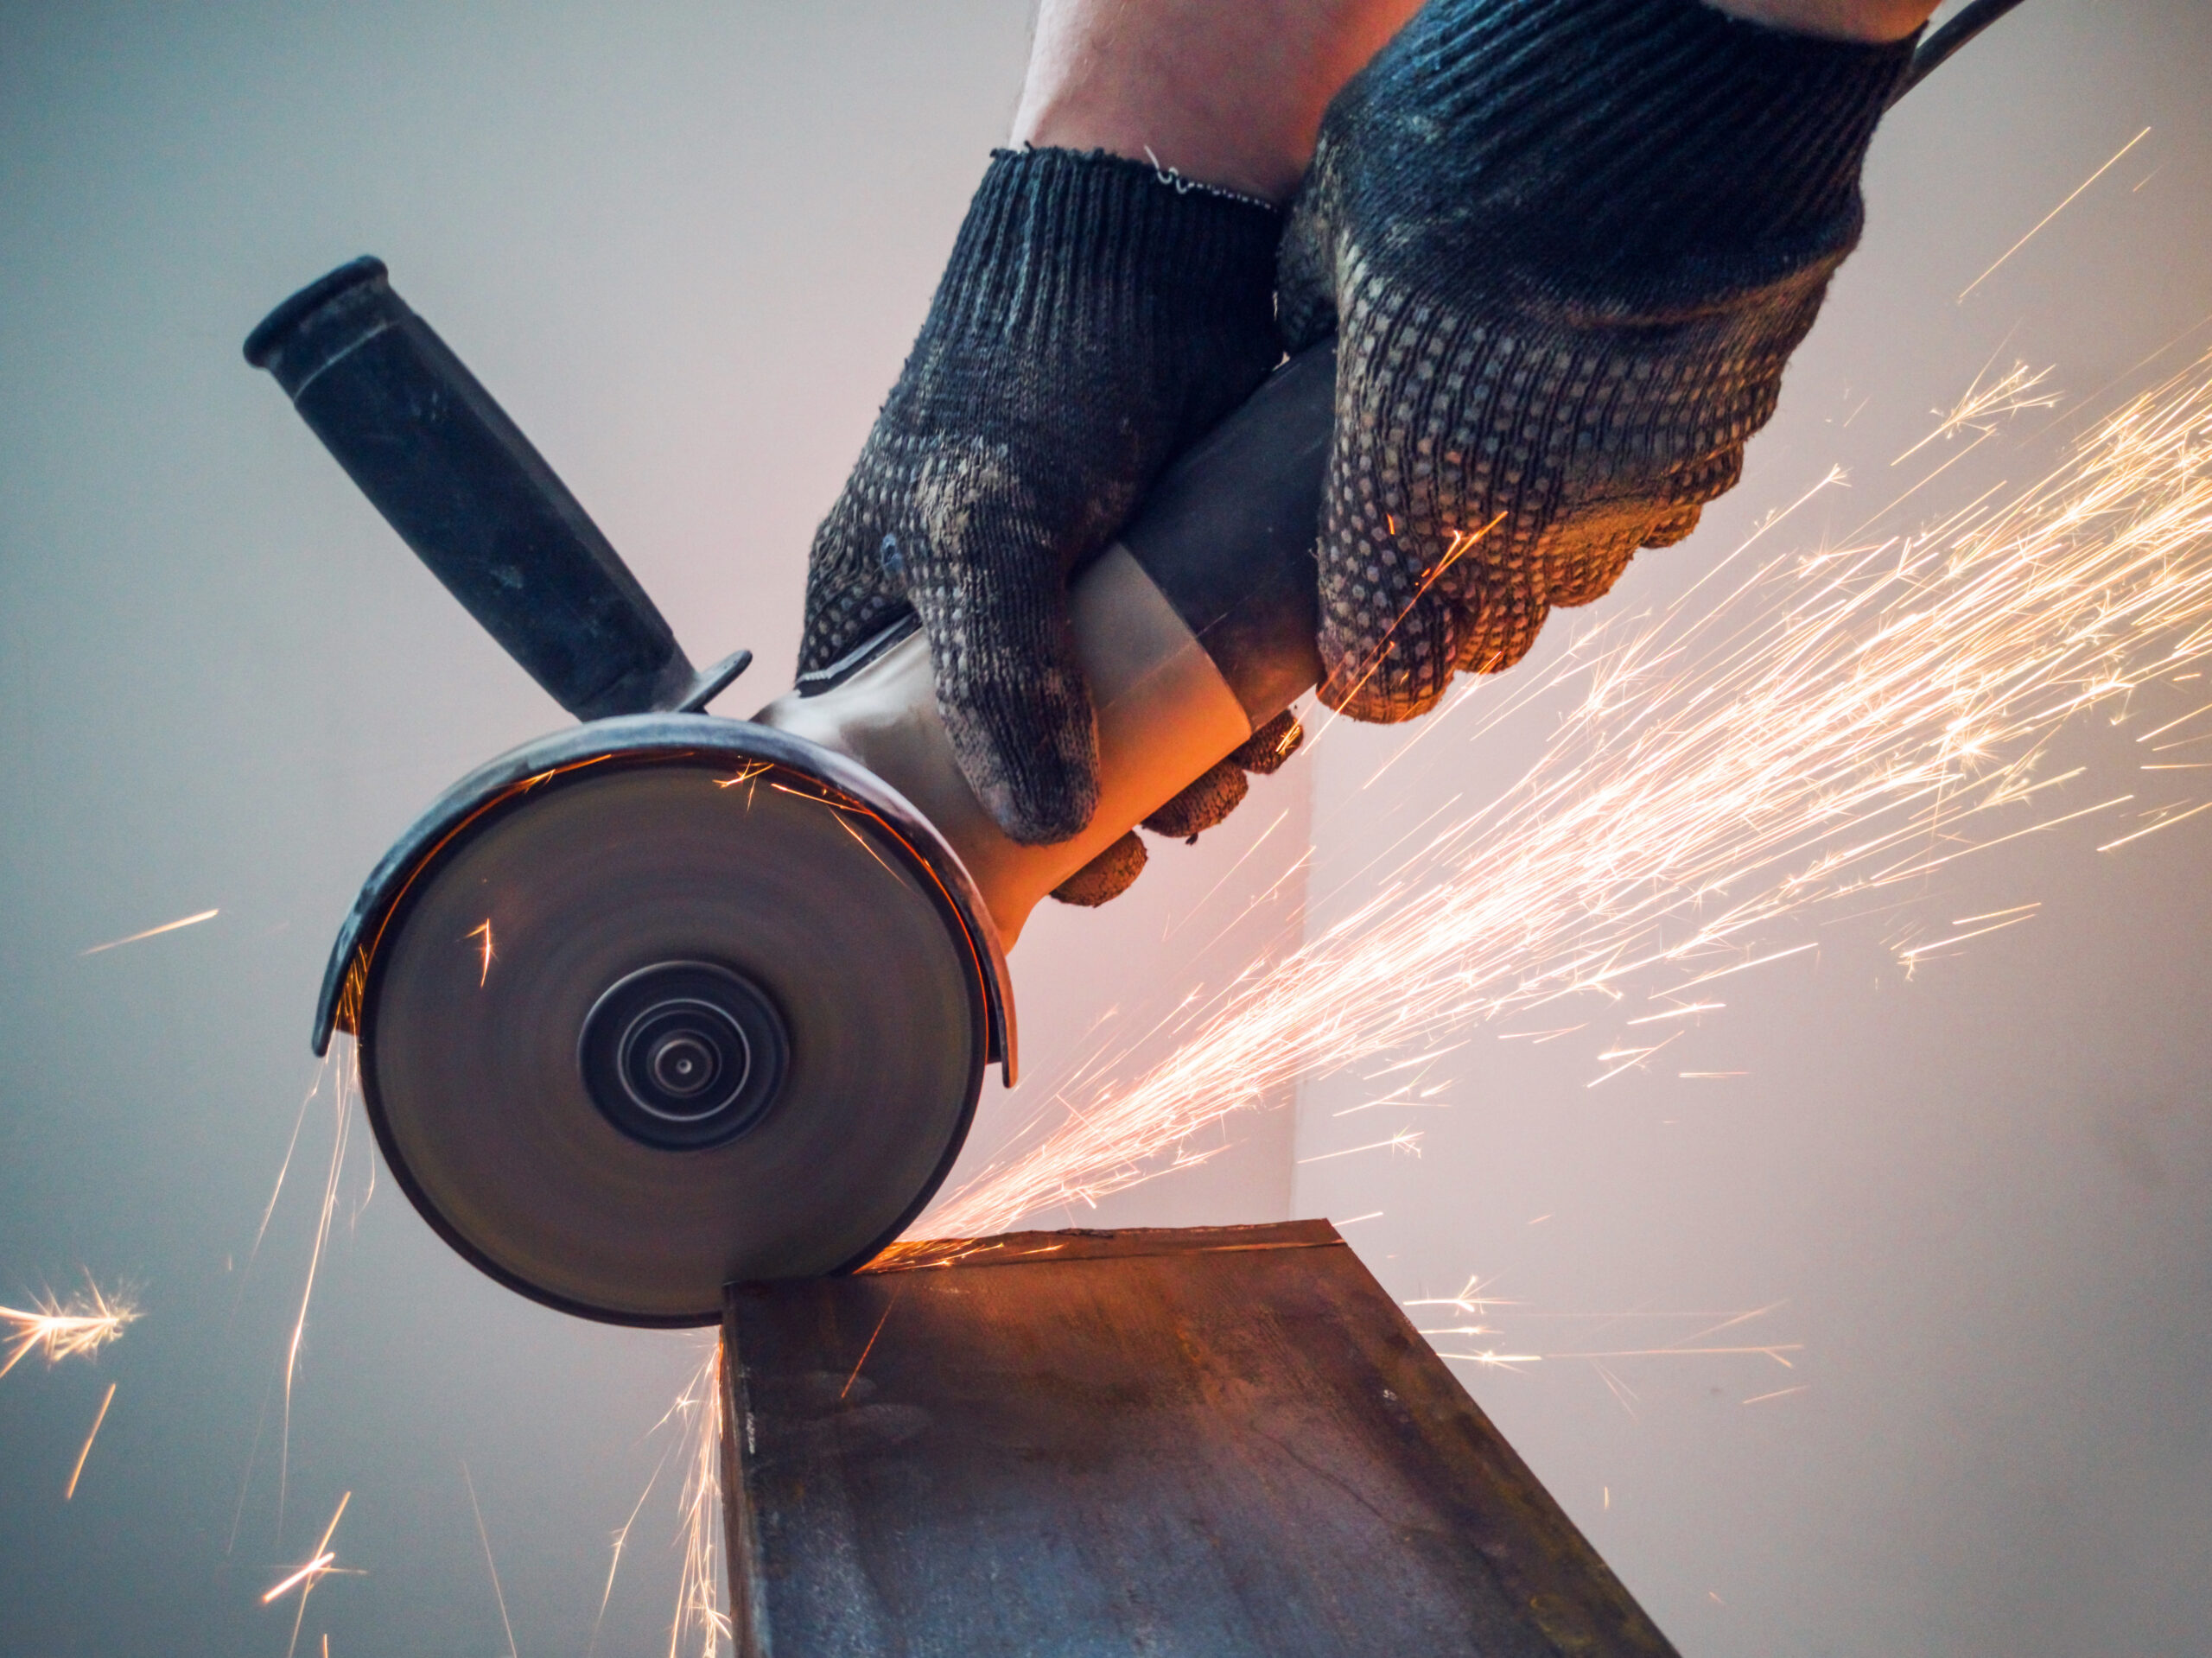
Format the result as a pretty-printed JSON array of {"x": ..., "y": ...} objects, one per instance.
[{"x": 791, "y": 965}]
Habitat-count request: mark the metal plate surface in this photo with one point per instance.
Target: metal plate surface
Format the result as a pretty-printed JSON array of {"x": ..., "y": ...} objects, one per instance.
[
  {"x": 1219, "y": 1443},
  {"x": 514, "y": 928}
]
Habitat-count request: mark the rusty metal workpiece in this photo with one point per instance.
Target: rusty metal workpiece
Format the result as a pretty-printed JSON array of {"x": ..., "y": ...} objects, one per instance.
[{"x": 1223, "y": 1441}]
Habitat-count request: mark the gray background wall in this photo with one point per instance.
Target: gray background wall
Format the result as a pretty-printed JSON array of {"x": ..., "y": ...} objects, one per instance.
[{"x": 687, "y": 246}]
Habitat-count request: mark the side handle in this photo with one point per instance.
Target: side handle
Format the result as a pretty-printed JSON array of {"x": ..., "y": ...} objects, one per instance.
[{"x": 439, "y": 459}]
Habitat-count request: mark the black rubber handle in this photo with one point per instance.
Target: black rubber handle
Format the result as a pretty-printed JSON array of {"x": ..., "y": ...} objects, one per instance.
[{"x": 465, "y": 489}]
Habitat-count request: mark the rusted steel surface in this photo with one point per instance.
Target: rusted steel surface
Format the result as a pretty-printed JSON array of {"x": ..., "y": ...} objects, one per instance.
[{"x": 1219, "y": 1442}]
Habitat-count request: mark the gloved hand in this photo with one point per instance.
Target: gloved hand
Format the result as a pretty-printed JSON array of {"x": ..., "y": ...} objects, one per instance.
[
  {"x": 1097, "y": 315},
  {"x": 1567, "y": 247},
  {"x": 1210, "y": 798}
]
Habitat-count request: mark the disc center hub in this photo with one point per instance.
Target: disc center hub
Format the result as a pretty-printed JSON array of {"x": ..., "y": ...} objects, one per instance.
[{"x": 682, "y": 1055}]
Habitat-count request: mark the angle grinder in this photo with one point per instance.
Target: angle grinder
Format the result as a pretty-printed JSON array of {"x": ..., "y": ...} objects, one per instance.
[{"x": 664, "y": 999}]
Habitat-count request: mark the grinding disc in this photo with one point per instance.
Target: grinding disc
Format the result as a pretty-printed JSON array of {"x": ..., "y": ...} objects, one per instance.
[{"x": 647, "y": 1027}]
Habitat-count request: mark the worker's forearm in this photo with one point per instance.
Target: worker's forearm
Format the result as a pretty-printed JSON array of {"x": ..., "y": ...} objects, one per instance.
[
  {"x": 1836, "y": 20},
  {"x": 1228, "y": 92}
]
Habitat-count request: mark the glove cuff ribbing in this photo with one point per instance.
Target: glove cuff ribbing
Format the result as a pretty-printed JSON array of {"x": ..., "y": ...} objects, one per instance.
[{"x": 1061, "y": 242}]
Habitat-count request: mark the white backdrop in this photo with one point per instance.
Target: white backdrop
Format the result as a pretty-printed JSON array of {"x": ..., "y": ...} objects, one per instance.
[{"x": 688, "y": 245}]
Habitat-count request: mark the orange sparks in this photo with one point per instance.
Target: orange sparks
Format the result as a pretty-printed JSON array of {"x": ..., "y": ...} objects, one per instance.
[
  {"x": 1779, "y": 1393},
  {"x": 1833, "y": 726},
  {"x": 697, "y": 1410},
  {"x": 489, "y": 955},
  {"x": 698, "y": 1609},
  {"x": 154, "y": 932},
  {"x": 341, "y": 1069},
  {"x": 318, "y": 1564},
  {"x": 79, "y": 1326},
  {"x": 307, "y": 1574},
  {"x": 870, "y": 1347},
  {"x": 491, "y": 1564},
  {"x": 2054, "y": 214},
  {"x": 322, "y": 1562},
  {"x": 1403, "y": 1141},
  {"x": 69, "y": 1492}
]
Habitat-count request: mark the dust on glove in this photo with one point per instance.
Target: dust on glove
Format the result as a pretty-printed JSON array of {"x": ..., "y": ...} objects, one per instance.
[
  {"x": 1096, "y": 316},
  {"x": 1567, "y": 247}
]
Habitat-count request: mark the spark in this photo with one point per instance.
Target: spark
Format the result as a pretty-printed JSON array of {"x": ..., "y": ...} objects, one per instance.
[
  {"x": 1428, "y": 1058},
  {"x": 2164, "y": 823},
  {"x": 1624, "y": 1395},
  {"x": 1403, "y": 1140},
  {"x": 621, "y": 1539},
  {"x": 312, "y": 1569},
  {"x": 697, "y": 1415},
  {"x": 1680, "y": 1013},
  {"x": 1462, "y": 540},
  {"x": 1175, "y": 925},
  {"x": 698, "y": 1604},
  {"x": 1992, "y": 915},
  {"x": 82, "y": 1326},
  {"x": 1832, "y": 726},
  {"x": 342, "y": 1063},
  {"x": 1631, "y": 1058},
  {"x": 1696, "y": 1344},
  {"x": 1493, "y": 1358},
  {"x": 869, "y": 1347},
  {"x": 153, "y": 932},
  {"x": 2054, "y": 214},
  {"x": 337, "y": 1076},
  {"x": 484, "y": 932},
  {"x": 1982, "y": 405},
  {"x": 1909, "y": 956},
  {"x": 840, "y": 821},
  {"x": 2160, "y": 731},
  {"x": 1779, "y": 1393},
  {"x": 1745, "y": 966},
  {"x": 491, "y": 1564},
  {"x": 322, "y": 1562},
  {"x": 70, "y": 1492},
  {"x": 1773, "y": 1351},
  {"x": 1468, "y": 1299}
]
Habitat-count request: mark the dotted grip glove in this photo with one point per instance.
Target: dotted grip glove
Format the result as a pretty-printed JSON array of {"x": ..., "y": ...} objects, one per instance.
[
  {"x": 1096, "y": 318},
  {"x": 1567, "y": 247}
]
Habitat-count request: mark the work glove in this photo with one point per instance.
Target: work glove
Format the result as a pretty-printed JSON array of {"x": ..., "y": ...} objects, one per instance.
[
  {"x": 1097, "y": 315},
  {"x": 1567, "y": 247},
  {"x": 1209, "y": 799}
]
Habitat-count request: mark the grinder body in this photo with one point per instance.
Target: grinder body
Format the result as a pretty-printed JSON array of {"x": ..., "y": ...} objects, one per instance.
[{"x": 665, "y": 1000}]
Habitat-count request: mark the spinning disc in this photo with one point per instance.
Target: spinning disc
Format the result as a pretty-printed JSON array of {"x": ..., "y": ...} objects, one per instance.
[{"x": 648, "y": 1025}]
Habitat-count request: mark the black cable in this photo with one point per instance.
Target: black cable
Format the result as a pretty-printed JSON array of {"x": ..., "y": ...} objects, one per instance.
[{"x": 1970, "y": 22}]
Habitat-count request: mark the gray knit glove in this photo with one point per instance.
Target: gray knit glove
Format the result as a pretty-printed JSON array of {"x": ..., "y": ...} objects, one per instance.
[
  {"x": 1567, "y": 247},
  {"x": 1096, "y": 316}
]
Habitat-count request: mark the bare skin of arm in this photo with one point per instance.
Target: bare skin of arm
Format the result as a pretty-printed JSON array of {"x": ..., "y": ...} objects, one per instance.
[{"x": 1231, "y": 94}]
